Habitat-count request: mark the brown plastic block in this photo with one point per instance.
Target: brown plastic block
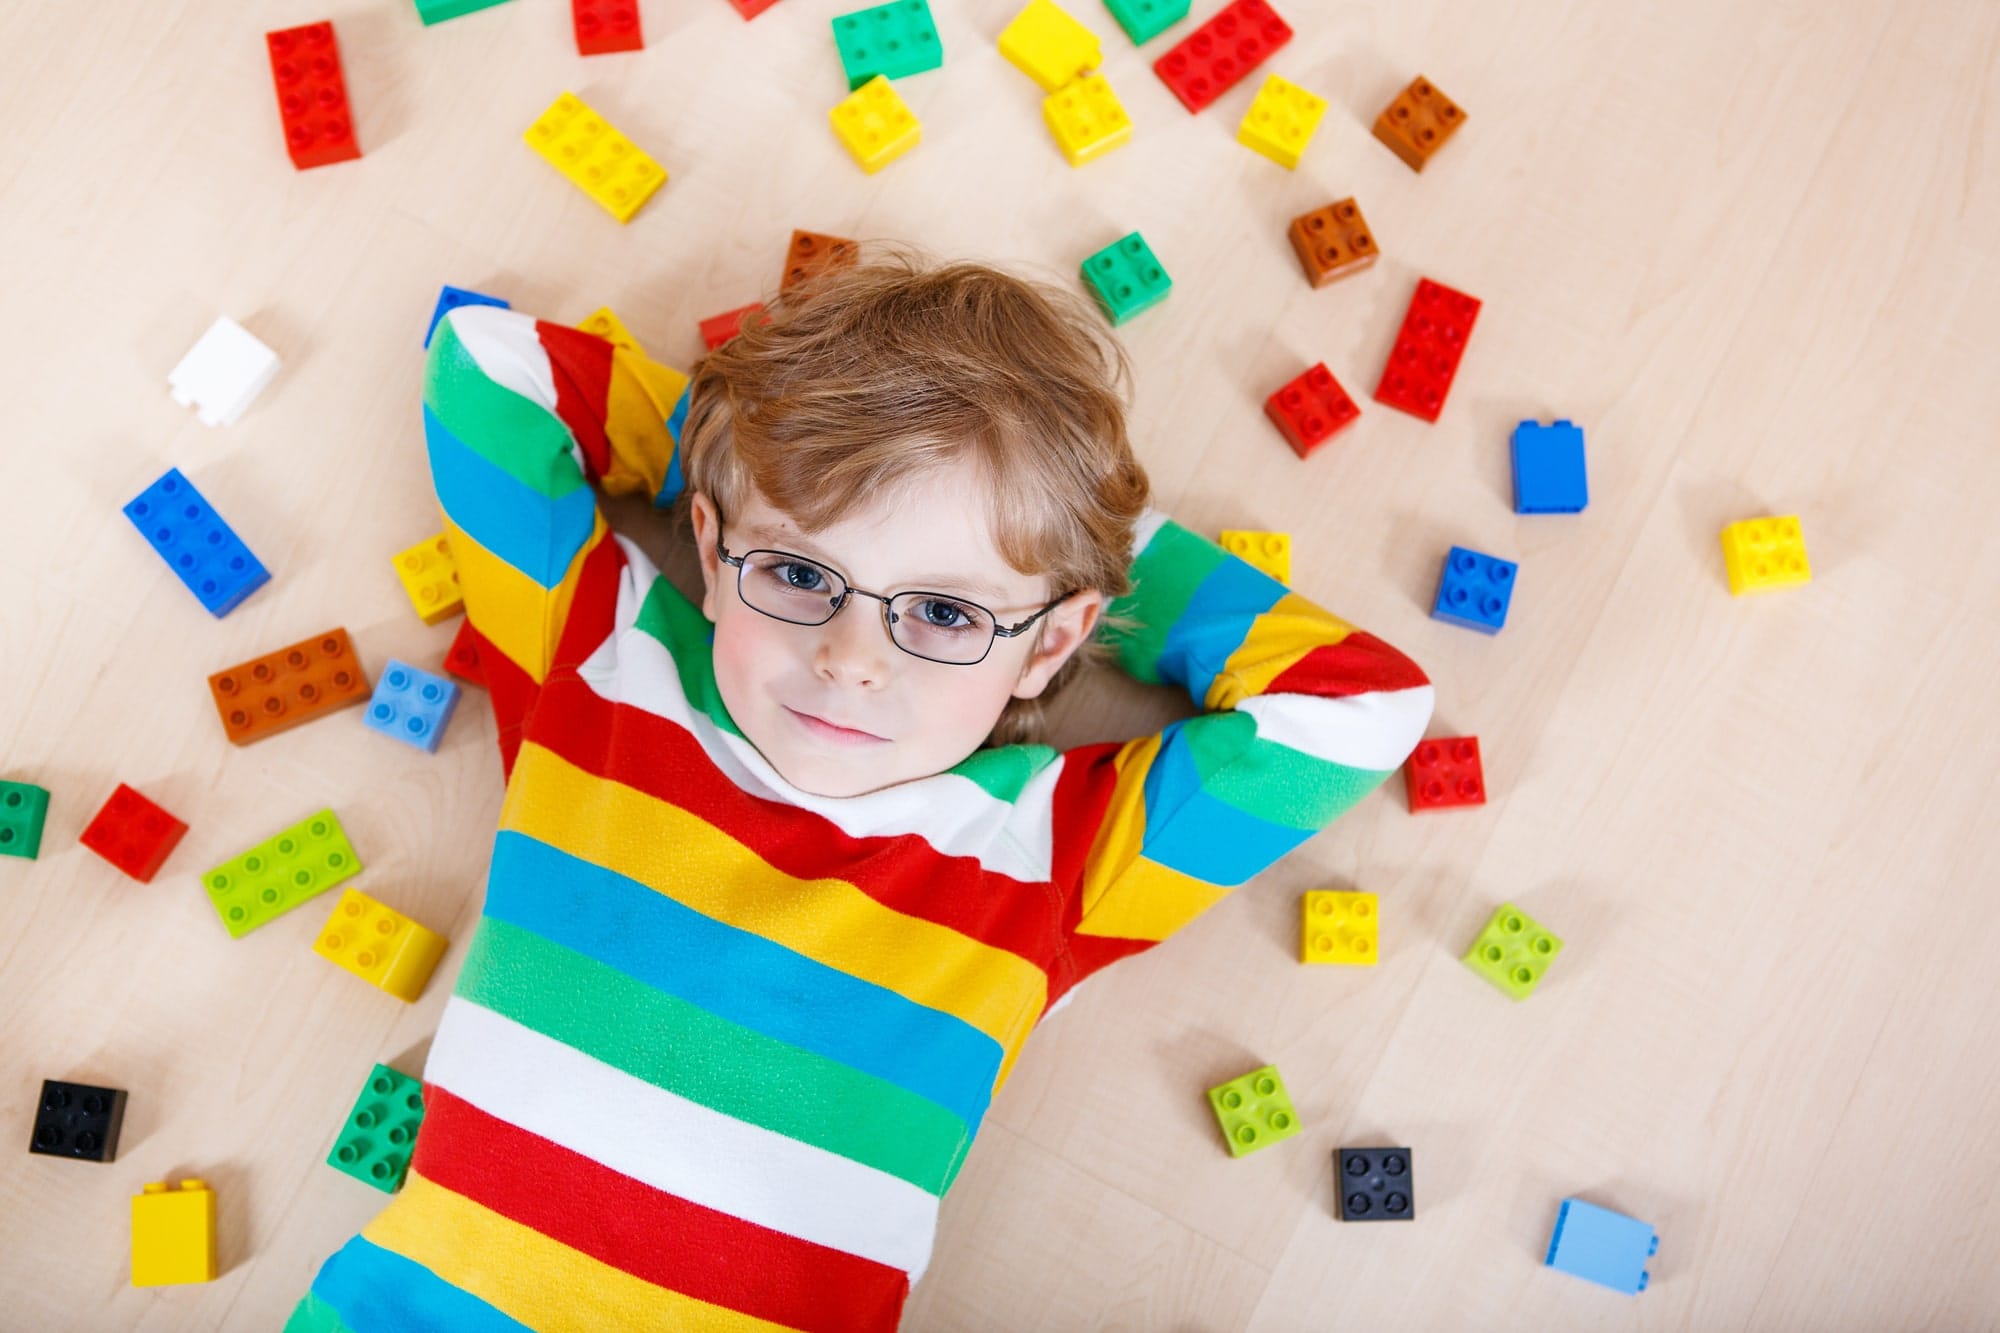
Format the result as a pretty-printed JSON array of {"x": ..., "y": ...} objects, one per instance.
[
  {"x": 1418, "y": 122},
  {"x": 277, "y": 691},
  {"x": 1333, "y": 242},
  {"x": 813, "y": 253}
]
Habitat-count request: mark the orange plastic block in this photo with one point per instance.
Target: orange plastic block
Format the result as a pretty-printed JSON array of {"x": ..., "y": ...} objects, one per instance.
[
  {"x": 1333, "y": 242},
  {"x": 1339, "y": 928},
  {"x": 430, "y": 577},
  {"x": 813, "y": 253},
  {"x": 277, "y": 691},
  {"x": 381, "y": 946},
  {"x": 1418, "y": 122}
]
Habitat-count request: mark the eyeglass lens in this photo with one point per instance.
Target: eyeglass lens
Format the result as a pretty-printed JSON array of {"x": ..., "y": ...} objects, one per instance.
[{"x": 805, "y": 592}]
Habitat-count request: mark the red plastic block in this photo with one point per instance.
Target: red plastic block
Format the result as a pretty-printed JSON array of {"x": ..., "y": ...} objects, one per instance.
[
  {"x": 1212, "y": 59},
  {"x": 133, "y": 834},
  {"x": 1311, "y": 409},
  {"x": 1427, "y": 351},
  {"x": 605, "y": 26},
  {"x": 813, "y": 253},
  {"x": 462, "y": 659},
  {"x": 719, "y": 329},
  {"x": 1444, "y": 773},
  {"x": 312, "y": 95},
  {"x": 277, "y": 691},
  {"x": 750, "y": 9}
]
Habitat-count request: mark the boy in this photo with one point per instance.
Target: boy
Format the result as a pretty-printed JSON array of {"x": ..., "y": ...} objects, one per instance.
[{"x": 768, "y": 920}]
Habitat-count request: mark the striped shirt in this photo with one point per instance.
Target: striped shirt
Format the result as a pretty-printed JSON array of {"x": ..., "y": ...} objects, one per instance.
[{"x": 718, "y": 1046}]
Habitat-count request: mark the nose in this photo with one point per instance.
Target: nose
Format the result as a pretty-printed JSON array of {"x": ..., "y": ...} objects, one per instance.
[{"x": 854, "y": 646}]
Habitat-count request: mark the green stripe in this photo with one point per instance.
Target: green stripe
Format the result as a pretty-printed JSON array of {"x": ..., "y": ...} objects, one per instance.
[
  {"x": 1165, "y": 578},
  {"x": 1004, "y": 770},
  {"x": 313, "y": 1315},
  {"x": 688, "y": 1051},
  {"x": 689, "y": 638},
  {"x": 1287, "y": 787},
  {"x": 513, "y": 432}
]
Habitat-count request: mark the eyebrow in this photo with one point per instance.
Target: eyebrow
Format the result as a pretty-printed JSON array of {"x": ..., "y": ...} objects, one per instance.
[{"x": 923, "y": 583}]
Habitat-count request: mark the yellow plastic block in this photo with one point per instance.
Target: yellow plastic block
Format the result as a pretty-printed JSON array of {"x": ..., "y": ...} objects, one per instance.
[
  {"x": 1269, "y": 551},
  {"x": 173, "y": 1234},
  {"x": 1765, "y": 553},
  {"x": 609, "y": 327},
  {"x": 382, "y": 947},
  {"x": 875, "y": 124},
  {"x": 1087, "y": 119},
  {"x": 430, "y": 577},
  {"x": 1049, "y": 46},
  {"x": 663, "y": 383},
  {"x": 1280, "y": 123},
  {"x": 1339, "y": 928},
  {"x": 598, "y": 160}
]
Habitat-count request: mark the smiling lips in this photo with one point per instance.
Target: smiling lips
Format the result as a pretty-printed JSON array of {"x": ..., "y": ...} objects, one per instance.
[{"x": 832, "y": 731}]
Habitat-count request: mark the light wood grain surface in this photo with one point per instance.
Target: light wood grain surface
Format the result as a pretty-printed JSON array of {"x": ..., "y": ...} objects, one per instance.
[{"x": 1753, "y": 249}]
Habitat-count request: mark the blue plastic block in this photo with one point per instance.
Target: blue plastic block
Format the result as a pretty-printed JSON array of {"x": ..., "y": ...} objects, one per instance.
[
  {"x": 1475, "y": 590},
  {"x": 451, "y": 298},
  {"x": 1549, "y": 477},
  {"x": 1605, "y": 1247},
  {"x": 194, "y": 541},
  {"x": 412, "y": 705}
]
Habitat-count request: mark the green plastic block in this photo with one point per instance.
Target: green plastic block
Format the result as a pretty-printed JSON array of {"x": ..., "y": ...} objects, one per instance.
[
  {"x": 374, "y": 1145},
  {"x": 892, "y": 40},
  {"x": 23, "y": 807},
  {"x": 437, "y": 11},
  {"x": 1255, "y": 1110},
  {"x": 1144, "y": 20},
  {"x": 1126, "y": 278},
  {"x": 277, "y": 875},
  {"x": 1513, "y": 951}
]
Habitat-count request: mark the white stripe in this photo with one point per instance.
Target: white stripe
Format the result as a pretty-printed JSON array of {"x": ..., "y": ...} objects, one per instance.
[
  {"x": 507, "y": 350},
  {"x": 1376, "y": 731},
  {"x": 1150, "y": 521},
  {"x": 670, "y": 1143}
]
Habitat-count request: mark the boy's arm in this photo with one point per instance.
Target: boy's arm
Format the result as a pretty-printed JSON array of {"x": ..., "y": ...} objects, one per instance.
[
  {"x": 1303, "y": 715},
  {"x": 520, "y": 416}
]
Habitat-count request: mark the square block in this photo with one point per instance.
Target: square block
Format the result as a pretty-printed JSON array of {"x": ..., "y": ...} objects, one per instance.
[
  {"x": 1445, "y": 772},
  {"x": 1126, "y": 278},
  {"x": 1765, "y": 553},
  {"x": 1549, "y": 476},
  {"x": 1513, "y": 951},
  {"x": 1281, "y": 121},
  {"x": 430, "y": 579},
  {"x": 1332, "y": 242},
  {"x": 1311, "y": 410},
  {"x": 223, "y": 373},
  {"x": 289, "y": 868},
  {"x": 719, "y": 329},
  {"x": 78, "y": 1120},
  {"x": 596, "y": 158},
  {"x": 1050, "y": 47},
  {"x": 812, "y": 253},
  {"x": 451, "y": 298},
  {"x": 1375, "y": 1184},
  {"x": 1268, "y": 551},
  {"x": 1215, "y": 57},
  {"x": 412, "y": 705},
  {"x": 1428, "y": 348},
  {"x": 1474, "y": 590},
  {"x": 1087, "y": 119},
  {"x": 24, "y": 808},
  {"x": 462, "y": 658},
  {"x": 875, "y": 125},
  {"x": 278, "y": 691},
  {"x": 312, "y": 95},
  {"x": 750, "y": 9},
  {"x": 173, "y": 1234},
  {"x": 133, "y": 834},
  {"x": 1255, "y": 1111},
  {"x": 203, "y": 551},
  {"x": 374, "y": 1145},
  {"x": 1601, "y": 1246},
  {"x": 892, "y": 40},
  {"x": 380, "y": 945},
  {"x": 1143, "y": 20},
  {"x": 604, "y": 27},
  {"x": 1418, "y": 123},
  {"x": 437, "y": 11},
  {"x": 1339, "y": 928}
]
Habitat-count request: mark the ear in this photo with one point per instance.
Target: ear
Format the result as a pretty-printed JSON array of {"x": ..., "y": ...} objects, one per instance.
[
  {"x": 707, "y": 533},
  {"x": 1064, "y": 630}
]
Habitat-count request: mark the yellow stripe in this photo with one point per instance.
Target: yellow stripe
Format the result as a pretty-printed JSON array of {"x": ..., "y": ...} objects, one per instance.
[
  {"x": 1125, "y": 895},
  {"x": 830, "y": 920},
  {"x": 518, "y": 615},
  {"x": 531, "y": 1277},
  {"x": 641, "y": 394},
  {"x": 1278, "y": 640}
]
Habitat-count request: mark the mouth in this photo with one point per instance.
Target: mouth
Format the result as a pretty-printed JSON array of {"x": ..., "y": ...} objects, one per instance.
[{"x": 831, "y": 731}]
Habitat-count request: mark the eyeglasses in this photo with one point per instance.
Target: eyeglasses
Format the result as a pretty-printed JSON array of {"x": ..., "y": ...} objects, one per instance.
[{"x": 932, "y": 625}]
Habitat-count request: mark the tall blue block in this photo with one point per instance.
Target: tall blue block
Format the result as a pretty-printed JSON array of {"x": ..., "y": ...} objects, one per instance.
[
  {"x": 1602, "y": 1246},
  {"x": 1474, "y": 590},
  {"x": 1549, "y": 476},
  {"x": 196, "y": 544}
]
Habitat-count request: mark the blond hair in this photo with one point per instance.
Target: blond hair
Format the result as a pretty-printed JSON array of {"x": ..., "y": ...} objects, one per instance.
[{"x": 861, "y": 378}]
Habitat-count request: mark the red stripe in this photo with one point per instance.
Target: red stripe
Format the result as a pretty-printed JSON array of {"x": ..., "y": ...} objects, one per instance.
[
  {"x": 1082, "y": 797},
  {"x": 652, "y": 1234},
  {"x": 1358, "y": 664},
  {"x": 582, "y": 366},
  {"x": 593, "y": 609}
]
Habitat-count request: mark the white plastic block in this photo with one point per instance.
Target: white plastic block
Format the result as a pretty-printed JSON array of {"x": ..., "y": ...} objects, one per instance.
[{"x": 223, "y": 373}]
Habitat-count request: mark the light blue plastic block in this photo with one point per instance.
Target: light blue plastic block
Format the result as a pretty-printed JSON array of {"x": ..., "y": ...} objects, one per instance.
[
  {"x": 1549, "y": 476},
  {"x": 1604, "y": 1247},
  {"x": 412, "y": 705},
  {"x": 451, "y": 298},
  {"x": 1475, "y": 590},
  {"x": 197, "y": 545}
]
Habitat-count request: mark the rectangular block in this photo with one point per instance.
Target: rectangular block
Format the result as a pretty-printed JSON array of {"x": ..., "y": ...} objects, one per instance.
[
  {"x": 285, "y": 870},
  {"x": 312, "y": 95},
  {"x": 1143, "y": 20},
  {"x": 1602, "y": 1246},
  {"x": 374, "y": 1146},
  {"x": 203, "y": 551},
  {"x": 380, "y": 945},
  {"x": 1049, "y": 46},
  {"x": 296, "y": 684},
  {"x": 894, "y": 40},
  {"x": 1428, "y": 348},
  {"x": 595, "y": 158},
  {"x": 173, "y": 1234},
  {"x": 1215, "y": 57},
  {"x": 24, "y": 808},
  {"x": 605, "y": 27},
  {"x": 1549, "y": 476},
  {"x": 133, "y": 834}
]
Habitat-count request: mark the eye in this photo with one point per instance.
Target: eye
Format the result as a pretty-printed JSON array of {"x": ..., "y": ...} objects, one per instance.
[
  {"x": 936, "y": 613},
  {"x": 805, "y": 578}
]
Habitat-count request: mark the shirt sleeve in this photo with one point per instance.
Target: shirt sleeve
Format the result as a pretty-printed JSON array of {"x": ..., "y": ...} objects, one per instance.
[
  {"x": 1302, "y": 715},
  {"x": 521, "y": 417}
]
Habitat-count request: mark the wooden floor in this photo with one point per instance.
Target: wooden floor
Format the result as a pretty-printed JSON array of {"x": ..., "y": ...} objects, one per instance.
[{"x": 1753, "y": 249}]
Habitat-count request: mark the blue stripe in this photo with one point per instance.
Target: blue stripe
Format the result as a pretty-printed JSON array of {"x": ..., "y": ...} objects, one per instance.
[
  {"x": 1215, "y": 623},
  {"x": 670, "y": 489},
  {"x": 379, "y": 1291},
  {"x": 742, "y": 977},
  {"x": 1190, "y": 830},
  {"x": 518, "y": 524}
]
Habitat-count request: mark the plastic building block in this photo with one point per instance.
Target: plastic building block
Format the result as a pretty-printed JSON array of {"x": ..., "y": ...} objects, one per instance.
[
  {"x": 1086, "y": 119},
  {"x": 813, "y": 253},
  {"x": 78, "y": 1120},
  {"x": 1268, "y": 551},
  {"x": 173, "y": 1234},
  {"x": 23, "y": 809},
  {"x": 412, "y": 705},
  {"x": 1143, "y": 20},
  {"x": 451, "y": 298},
  {"x": 1513, "y": 951},
  {"x": 1126, "y": 278},
  {"x": 430, "y": 577},
  {"x": 281, "y": 872},
  {"x": 312, "y": 95},
  {"x": 223, "y": 373},
  {"x": 719, "y": 329},
  {"x": 1049, "y": 46},
  {"x": 596, "y": 158},
  {"x": 1212, "y": 59},
  {"x": 1375, "y": 1184},
  {"x": 1549, "y": 476},
  {"x": 437, "y": 11},
  {"x": 1765, "y": 553},
  {"x": 381, "y": 946},
  {"x": 1444, "y": 773},
  {"x": 298, "y": 683},
  {"x": 133, "y": 834},
  {"x": 750, "y": 9},
  {"x": 604, "y": 27},
  {"x": 1311, "y": 410},
  {"x": 1428, "y": 348},
  {"x": 1474, "y": 590},
  {"x": 1339, "y": 928},
  {"x": 1255, "y": 1110},
  {"x": 604, "y": 323},
  {"x": 1418, "y": 122},
  {"x": 1333, "y": 242},
  {"x": 1281, "y": 122},
  {"x": 892, "y": 40},
  {"x": 875, "y": 125},
  {"x": 374, "y": 1146},
  {"x": 462, "y": 658},
  {"x": 1601, "y": 1246},
  {"x": 201, "y": 549}
]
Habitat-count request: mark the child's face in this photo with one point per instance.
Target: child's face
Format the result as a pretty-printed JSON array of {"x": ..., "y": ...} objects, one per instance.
[{"x": 895, "y": 716}]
